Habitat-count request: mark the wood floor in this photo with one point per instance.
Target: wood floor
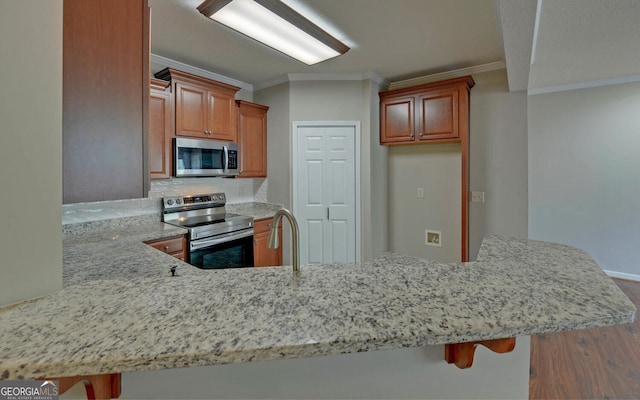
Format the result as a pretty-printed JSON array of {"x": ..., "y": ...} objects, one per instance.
[{"x": 599, "y": 363}]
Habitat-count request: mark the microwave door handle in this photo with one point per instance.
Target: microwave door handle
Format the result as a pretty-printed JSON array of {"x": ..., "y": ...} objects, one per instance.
[{"x": 225, "y": 161}]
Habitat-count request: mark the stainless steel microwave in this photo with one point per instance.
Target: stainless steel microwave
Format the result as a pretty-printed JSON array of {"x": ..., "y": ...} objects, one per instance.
[{"x": 205, "y": 157}]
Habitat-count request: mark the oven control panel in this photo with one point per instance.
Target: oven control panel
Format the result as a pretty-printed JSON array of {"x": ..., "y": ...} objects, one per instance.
[{"x": 198, "y": 201}]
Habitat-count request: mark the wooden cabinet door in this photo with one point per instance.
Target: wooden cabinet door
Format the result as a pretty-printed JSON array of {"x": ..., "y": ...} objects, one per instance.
[
  {"x": 105, "y": 98},
  {"x": 222, "y": 115},
  {"x": 175, "y": 246},
  {"x": 263, "y": 256},
  {"x": 438, "y": 115},
  {"x": 160, "y": 134},
  {"x": 397, "y": 119},
  {"x": 252, "y": 139},
  {"x": 191, "y": 110}
]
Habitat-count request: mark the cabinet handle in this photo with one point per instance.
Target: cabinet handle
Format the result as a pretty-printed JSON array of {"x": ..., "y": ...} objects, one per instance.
[{"x": 255, "y": 241}]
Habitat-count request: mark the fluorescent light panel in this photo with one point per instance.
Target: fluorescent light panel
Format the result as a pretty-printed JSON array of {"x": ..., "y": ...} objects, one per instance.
[{"x": 276, "y": 25}]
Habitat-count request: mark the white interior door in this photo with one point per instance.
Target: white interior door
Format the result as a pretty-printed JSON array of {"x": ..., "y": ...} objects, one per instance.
[{"x": 325, "y": 192}]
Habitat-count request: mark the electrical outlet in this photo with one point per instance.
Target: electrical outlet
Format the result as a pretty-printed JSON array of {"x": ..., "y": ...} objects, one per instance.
[
  {"x": 433, "y": 238},
  {"x": 420, "y": 192},
  {"x": 477, "y": 197}
]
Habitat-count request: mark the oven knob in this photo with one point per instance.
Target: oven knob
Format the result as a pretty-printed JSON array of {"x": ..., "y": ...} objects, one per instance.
[
  {"x": 222, "y": 197},
  {"x": 169, "y": 202},
  {"x": 178, "y": 201},
  {"x": 215, "y": 197}
]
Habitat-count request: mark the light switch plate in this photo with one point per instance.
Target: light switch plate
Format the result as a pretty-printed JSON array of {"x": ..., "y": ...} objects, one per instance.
[
  {"x": 420, "y": 192},
  {"x": 477, "y": 197}
]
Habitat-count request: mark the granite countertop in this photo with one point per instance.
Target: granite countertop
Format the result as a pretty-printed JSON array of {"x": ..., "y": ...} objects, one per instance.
[
  {"x": 118, "y": 323},
  {"x": 255, "y": 210},
  {"x": 121, "y": 254}
]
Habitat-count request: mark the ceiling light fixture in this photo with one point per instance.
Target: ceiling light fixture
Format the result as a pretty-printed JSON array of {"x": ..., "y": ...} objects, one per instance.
[{"x": 276, "y": 25}]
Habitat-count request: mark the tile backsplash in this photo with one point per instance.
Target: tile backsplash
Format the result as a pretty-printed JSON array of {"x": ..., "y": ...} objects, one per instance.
[{"x": 237, "y": 191}]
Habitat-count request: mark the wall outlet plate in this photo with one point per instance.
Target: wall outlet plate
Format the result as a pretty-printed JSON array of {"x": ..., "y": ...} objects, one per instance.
[
  {"x": 420, "y": 192},
  {"x": 433, "y": 238}
]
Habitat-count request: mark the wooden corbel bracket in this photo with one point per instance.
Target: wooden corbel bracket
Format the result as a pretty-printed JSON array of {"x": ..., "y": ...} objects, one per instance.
[
  {"x": 98, "y": 387},
  {"x": 461, "y": 354}
]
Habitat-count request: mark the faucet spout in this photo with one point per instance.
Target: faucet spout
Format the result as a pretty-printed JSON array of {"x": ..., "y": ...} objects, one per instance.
[{"x": 272, "y": 243}]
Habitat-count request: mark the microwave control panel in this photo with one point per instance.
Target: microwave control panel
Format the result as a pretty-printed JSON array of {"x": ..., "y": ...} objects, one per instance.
[{"x": 233, "y": 159}]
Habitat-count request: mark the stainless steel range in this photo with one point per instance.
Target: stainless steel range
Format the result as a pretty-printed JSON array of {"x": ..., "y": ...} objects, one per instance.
[{"x": 217, "y": 239}]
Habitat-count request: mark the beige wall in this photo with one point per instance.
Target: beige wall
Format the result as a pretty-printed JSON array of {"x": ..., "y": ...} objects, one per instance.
[
  {"x": 278, "y": 152},
  {"x": 30, "y": 148},
  {"x": 374, "y": 177},
  {"x": 584, "y": 181},
  {"x": 498, "y": 159},
  {"x": 436, "y": 168}
]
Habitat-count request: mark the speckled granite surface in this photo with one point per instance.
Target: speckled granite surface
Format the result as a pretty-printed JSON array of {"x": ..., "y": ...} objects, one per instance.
[
  {"x": 112, "y": 325},
  {"x": 110, "y": 224},
  {"x": 255, "y": 210},
  {"x": 120, "y": 253}
]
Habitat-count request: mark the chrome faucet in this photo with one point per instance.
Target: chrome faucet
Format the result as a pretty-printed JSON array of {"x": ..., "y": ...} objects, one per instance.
[{"x": 273, "y": 235}]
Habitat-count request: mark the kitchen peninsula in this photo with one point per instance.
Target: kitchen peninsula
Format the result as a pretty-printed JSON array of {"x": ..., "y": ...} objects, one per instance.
[{"x": 120, "y": 322}]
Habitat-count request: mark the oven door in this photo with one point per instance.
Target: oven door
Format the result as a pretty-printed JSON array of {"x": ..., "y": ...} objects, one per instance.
[{"x": 231, "y": 250}]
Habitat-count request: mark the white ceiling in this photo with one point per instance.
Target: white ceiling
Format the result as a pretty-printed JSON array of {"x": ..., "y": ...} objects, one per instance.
[{"x": 577, "y": 40}]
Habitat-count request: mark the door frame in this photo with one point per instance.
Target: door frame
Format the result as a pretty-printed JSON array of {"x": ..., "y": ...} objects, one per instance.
[{"x": 294, "y": 169}]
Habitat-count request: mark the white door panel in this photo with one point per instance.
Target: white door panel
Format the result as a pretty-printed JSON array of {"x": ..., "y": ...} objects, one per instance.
[
  {"x": 325, "y": 190},
  {"x": 314, "y": 243}
]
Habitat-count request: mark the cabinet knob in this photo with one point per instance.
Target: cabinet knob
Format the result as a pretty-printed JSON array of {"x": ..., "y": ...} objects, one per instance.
[
  {"x": 268, "y": 225},
  {"x": 421, "y": 134},
  {"x": 166, "y": 248},
  {"x": 412, "y": 136},
  {"x": 255, "y": 241}
]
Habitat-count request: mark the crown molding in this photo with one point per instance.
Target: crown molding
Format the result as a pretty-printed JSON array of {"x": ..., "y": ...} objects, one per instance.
[
  {"x": 457, "y": 73},
  {"x": 273, "y": 82},
  {"x": 584, "y": 85},
  {"x": 167, "y": 62},
  {"x": 306, "y": 77}
]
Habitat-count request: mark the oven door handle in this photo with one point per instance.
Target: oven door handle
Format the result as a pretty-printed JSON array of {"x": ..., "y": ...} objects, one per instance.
[{"x": 227, "y": 237}]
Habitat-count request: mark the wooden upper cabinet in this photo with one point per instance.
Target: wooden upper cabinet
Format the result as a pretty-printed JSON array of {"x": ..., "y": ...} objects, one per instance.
[
  {"x": 105, "y": 95},
  {"x": 160, "y": 130},
  {"x": 397, "y": 119},
  {"x": 435, "y": 112},
  {"x": 252, "y": 139},
  {"x": 222, "y": 115},
  {"x": 203, "y": 108},
  {"x": 191, "y": 110},
  {"x": 438, "y": 115}
]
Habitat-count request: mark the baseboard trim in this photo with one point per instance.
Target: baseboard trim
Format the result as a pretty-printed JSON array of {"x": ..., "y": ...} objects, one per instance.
[{"x": 623, "y": 275}]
